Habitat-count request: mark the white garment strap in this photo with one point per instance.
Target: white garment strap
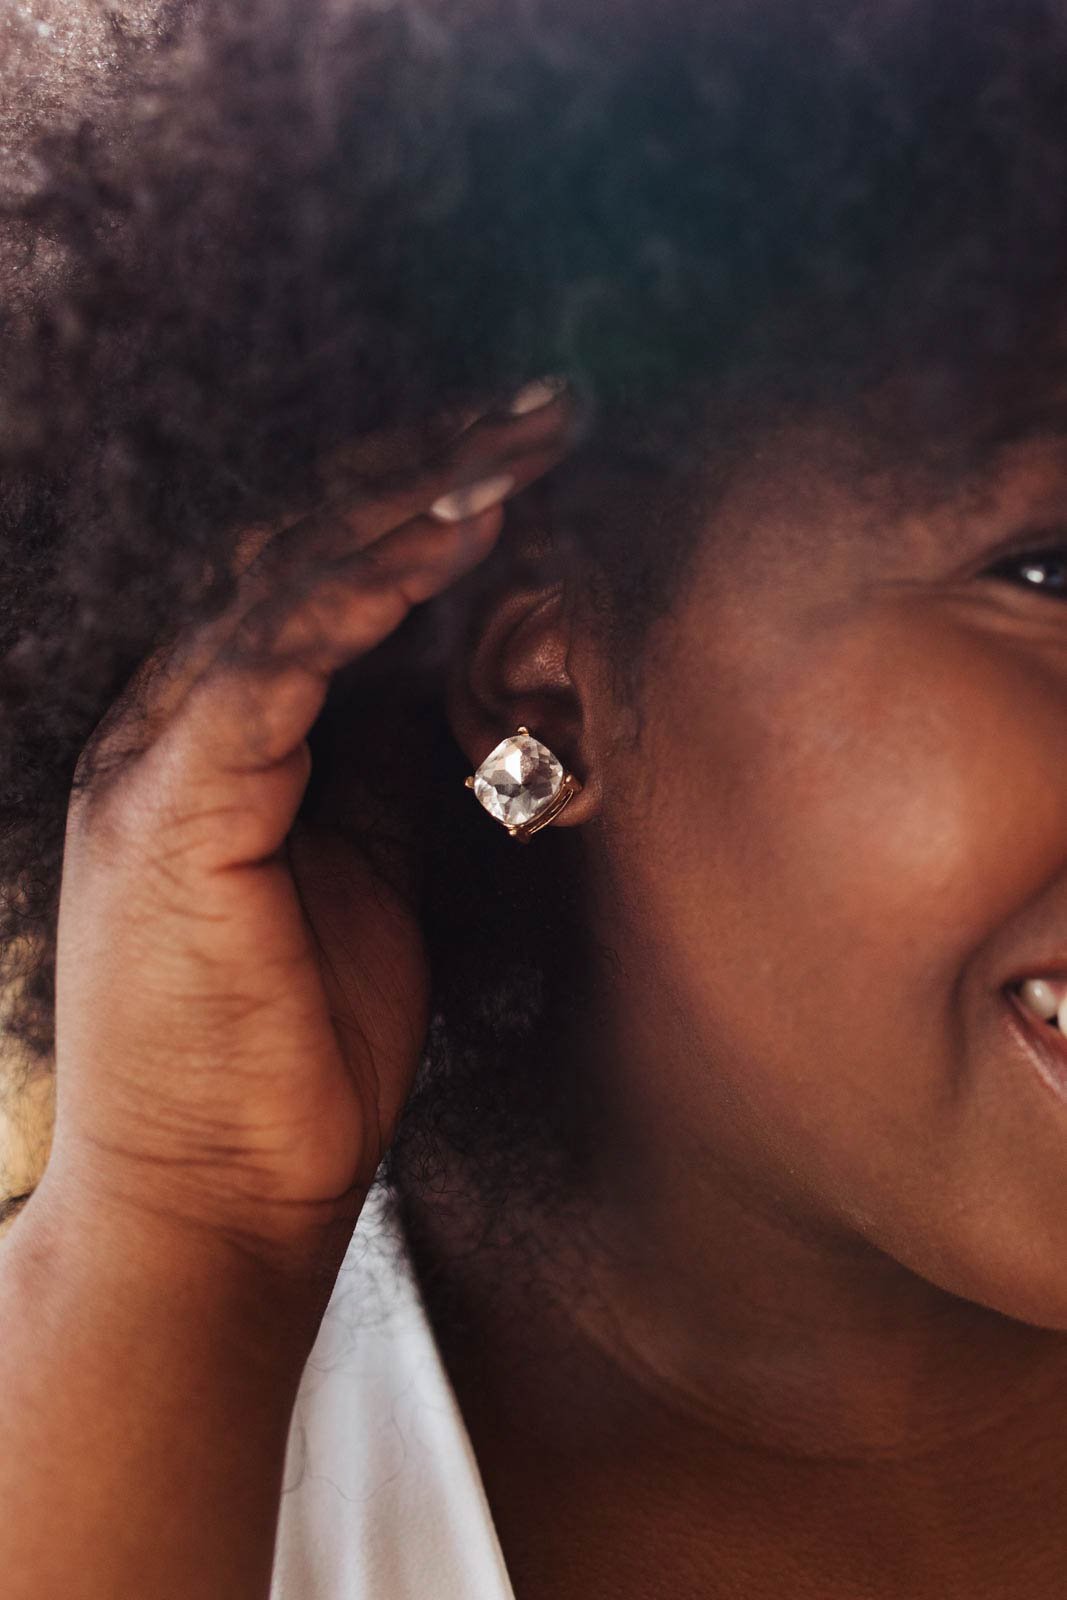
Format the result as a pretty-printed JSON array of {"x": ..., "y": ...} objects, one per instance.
[{"x": 383, "y": 1499}]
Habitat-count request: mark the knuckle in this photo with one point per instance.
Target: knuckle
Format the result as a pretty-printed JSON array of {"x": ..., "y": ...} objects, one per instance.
[
  {"x": 190, "y": 839},
  {"x": 168, "y": 824}
]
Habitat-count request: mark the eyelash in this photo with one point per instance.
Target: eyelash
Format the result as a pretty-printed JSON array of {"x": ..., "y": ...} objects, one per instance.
[{"x": 1051, "y": 561}]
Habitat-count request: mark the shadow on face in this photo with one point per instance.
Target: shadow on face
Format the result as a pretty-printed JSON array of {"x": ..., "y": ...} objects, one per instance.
[{"x": 833, "y": 854}]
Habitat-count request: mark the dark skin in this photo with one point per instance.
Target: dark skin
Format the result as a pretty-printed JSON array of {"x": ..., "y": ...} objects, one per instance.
[
  {"x": 816, "y": 1346},
  {"x": 240, "y": 1009},
  {"x": 809, "y": 1336}
]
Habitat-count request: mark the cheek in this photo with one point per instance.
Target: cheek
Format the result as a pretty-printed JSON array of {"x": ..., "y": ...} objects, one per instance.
[
  {"x": 832, "y": 838},
  {"x": 916, "y": 795},
  {"x": 893, "y": 794}
]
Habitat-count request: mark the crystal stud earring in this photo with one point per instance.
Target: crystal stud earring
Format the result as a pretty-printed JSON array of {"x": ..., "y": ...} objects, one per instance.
[{"x": 523, "y": 785}]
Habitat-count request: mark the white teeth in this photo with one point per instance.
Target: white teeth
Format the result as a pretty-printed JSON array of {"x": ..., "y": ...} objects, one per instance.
[{"x": 1040, "y": 998}]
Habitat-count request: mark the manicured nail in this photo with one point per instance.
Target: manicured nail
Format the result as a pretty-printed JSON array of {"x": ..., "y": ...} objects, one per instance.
[
  {"x": 541, "y": 392},
  {"x": 472, "y": 499}
]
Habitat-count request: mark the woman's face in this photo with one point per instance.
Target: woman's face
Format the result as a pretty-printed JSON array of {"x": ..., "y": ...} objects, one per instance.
[{"x": 837, "y": 842}]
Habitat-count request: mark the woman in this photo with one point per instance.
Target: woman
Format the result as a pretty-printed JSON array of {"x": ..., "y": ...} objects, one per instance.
[{"x": 723, "y": 1118}]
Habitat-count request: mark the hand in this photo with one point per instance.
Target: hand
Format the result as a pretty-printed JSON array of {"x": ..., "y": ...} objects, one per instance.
[{"x": 235, "y": 1044}]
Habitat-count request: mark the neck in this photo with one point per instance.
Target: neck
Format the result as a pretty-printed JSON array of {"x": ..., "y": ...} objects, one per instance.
[
  {"x": 728, "y": 1307},
  {"x": 677, "y": 1324},
  {"x": 742, "y": 1301},
  {"x": 780, "y": 1337}
]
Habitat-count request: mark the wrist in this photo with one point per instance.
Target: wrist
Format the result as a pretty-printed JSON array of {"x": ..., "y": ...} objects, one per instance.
[
  {"x": 149, "y": 1375},
  {"x": 135, "y": 1266}
]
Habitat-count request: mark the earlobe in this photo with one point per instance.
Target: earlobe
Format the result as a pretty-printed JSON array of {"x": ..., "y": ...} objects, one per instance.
[{"x": 515, "y": 674}]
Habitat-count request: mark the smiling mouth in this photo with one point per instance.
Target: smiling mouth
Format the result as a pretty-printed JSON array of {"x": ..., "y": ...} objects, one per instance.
[
  {"x": 1038, "y": 1010},
  {"x": 1043, "y": 999}
]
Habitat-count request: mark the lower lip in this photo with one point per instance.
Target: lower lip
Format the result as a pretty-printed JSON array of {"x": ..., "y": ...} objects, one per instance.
[{"x": 1045, "y": 1045}]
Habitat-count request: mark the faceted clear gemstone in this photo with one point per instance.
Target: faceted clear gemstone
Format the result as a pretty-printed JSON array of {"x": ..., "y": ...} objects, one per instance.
[{"x": 518, "y": 779}]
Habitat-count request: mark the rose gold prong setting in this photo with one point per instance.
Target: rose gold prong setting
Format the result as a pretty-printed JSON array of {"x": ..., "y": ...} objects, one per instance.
[
  {"x": 564, "y": 795},
  {"x": 469, "y": 782}
]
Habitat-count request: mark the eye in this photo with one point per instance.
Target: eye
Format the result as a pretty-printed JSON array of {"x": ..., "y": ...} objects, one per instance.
[{"x": 1044, "y": 571}]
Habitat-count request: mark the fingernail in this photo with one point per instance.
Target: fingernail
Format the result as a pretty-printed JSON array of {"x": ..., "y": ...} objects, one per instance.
[
  {"x": 472, "y": 499},
  {"x": 541, "y": 392}
]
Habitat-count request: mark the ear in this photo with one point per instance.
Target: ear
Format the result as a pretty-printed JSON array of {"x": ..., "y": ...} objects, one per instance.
[{"x": 524, "y": 667}]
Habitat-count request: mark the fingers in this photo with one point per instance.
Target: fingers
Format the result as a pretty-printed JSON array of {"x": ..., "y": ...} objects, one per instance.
[
  {"x": 374, "y": 461},
  {"x": 522, "y": 446},
  {"x": 261, "y": 698},
  {"x": 495, "y": 458},
  {"x": 223, "y": 777},
  {"x": 222, "y": 717},
  {"x": 277, "y": 565}
]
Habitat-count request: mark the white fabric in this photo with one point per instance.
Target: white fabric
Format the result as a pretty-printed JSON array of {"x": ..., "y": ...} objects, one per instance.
[{"x": 383, "y": 1499}]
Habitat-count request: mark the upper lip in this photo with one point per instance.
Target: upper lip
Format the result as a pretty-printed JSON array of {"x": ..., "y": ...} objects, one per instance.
[{"x": 1056, "y": 969}]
